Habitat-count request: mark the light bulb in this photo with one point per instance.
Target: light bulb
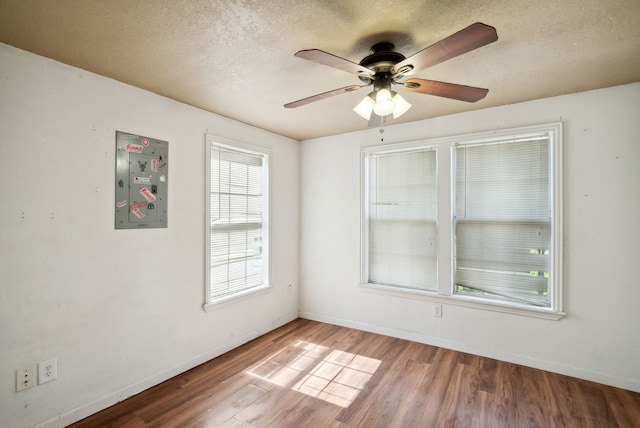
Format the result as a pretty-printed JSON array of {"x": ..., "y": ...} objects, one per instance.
[
  {"x": 384, "y": 104},
  {"x": 365, "y": 107}
]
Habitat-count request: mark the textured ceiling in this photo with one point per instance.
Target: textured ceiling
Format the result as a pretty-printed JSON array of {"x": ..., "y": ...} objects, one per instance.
[{"x": 235, "y": 58}]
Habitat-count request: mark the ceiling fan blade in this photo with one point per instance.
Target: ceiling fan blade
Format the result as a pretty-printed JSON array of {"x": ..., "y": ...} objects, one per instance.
[
  {"x": 470, "y": 38},
  {"x": 325, "y": 58},
  {"x": 323, "y": 95},
  {"x": 447, "y": 90}
]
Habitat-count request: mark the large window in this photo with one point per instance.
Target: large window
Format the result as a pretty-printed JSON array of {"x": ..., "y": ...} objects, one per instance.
[
  {"x": 472, "y": 220},
  {"x": 237, "y": 243}
]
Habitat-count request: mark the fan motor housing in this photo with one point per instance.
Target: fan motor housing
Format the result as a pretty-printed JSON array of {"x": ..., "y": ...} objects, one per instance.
[{"x": 381, "y": 60}]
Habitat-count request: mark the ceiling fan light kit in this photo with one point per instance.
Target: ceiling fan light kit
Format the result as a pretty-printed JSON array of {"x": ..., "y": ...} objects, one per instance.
[
  {"x": 383, "y": 68},
  {"x": 382, "y": 103}
]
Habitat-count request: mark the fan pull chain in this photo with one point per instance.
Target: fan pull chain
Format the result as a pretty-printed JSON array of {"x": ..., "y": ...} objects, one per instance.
[{"x": 382, "y": 135}]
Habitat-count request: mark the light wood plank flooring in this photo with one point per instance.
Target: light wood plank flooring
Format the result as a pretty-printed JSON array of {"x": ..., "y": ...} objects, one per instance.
[{"x": 311, "y": 374}]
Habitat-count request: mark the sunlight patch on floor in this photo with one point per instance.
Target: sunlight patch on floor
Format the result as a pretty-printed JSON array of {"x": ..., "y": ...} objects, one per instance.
[
  {"x": 339, "y": 378},
  {"x": 335, "y": 376}
]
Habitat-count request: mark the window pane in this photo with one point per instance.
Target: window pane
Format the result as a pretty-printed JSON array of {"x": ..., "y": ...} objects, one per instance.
[
  {"x": 403, "y": 253},
  {"x": 402, "y": 219},
  {"x": 503, "y": 220},
  {"x": 505, "y": 180},
  {"x": 504, "y": 260},
  {"x": 236, "y": 221}
]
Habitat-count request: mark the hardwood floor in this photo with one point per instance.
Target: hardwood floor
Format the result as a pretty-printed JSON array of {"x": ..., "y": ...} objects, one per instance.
[{"x": 310, "y": 374}]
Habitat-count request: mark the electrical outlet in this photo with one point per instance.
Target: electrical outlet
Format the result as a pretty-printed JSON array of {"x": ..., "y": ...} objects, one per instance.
[
  {"x": 25, "y": 377},
  {"x": 47, "y": 371},
  {"x": 437, "y": 310}
]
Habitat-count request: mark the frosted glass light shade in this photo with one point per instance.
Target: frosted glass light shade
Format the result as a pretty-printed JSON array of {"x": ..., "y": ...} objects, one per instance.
[
  {"x": 365, "y": 107},
  {"x": 401, "y": 106},
  {"x": 384, "y": 104}
]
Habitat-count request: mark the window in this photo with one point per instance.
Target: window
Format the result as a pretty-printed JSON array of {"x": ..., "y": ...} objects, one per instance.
[
  {"x": 237, "y": 226},
  {"x": 503, "y": 220},
  {"x": 472, "y": 220},
  {"x": 402, "y": 210}
]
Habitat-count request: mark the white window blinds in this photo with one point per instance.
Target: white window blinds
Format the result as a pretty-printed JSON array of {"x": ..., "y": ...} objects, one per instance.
[
  {"x": 236, "y": 192},
  {"x": 503, "y": 220},
  {"x": 402, "y": 227}
]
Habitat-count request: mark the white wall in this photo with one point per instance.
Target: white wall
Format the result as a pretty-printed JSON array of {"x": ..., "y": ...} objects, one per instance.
[
  {"x": 598, "y": 339},
  {"x": 120, "y": 309}
]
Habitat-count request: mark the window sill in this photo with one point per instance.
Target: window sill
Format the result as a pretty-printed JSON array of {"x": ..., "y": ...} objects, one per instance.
[
  {"x": 465, "y": 301},
  {"x": 221, "y": 301}
]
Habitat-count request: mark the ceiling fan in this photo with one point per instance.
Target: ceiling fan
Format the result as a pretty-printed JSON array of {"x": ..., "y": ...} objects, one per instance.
[{"x": 384, "y": 68}]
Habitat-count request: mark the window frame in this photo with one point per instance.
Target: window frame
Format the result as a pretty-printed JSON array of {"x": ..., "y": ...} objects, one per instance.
[
  {"x": 445, "y": 149},
  {"x": 228, "y": 144}
]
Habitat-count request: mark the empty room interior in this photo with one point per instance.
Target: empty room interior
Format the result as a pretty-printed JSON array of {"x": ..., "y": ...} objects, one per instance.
[{"x": 209, "y": 188}]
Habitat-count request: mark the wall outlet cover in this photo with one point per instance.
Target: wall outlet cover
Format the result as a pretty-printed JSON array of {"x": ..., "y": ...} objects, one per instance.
[
  {"x": 47, "y": 371},
  {"x": 437, "y": 310},
  {"x": 25, "y": 377}
]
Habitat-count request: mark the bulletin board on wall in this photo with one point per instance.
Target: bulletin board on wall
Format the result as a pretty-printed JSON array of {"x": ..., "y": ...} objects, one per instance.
[{"x": 141, "y": 182}]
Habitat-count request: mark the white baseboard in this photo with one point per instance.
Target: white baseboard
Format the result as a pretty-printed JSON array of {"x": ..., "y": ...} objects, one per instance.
[
  {"x": 102, "y": 403},
  {"x": 551, "y": 366}
]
